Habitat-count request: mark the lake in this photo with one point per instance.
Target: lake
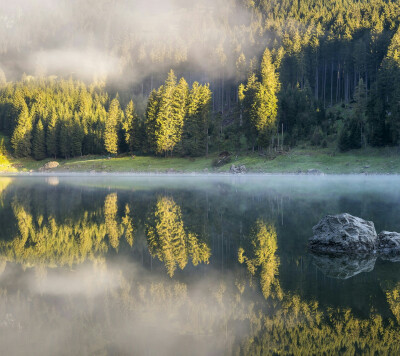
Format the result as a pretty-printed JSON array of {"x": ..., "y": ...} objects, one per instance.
[{"x": 192, "y": 265}]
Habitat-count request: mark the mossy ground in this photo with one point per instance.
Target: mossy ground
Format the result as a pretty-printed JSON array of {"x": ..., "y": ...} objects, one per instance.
[{"x": 381, "y": 161}]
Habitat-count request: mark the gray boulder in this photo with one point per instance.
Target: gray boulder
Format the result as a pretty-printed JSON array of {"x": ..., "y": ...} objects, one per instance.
[
  {"x": 344, "y": 266},
  {"x": 344, "y": 233},
  {"x": 388, "y": 243}
]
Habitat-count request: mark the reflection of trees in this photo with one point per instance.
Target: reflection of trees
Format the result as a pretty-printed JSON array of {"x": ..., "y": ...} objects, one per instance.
[
  {"x": 110, "y": 215},
  {"x": 298, "y": 327},
  {"x": 393, "y": 298},
  {"x": 127, "y": 224},
  {"x": 218, "y": 317},
  {"x": 4, "y": 183},
  {"x": 263, "y": 254},
  {"x": 168, "y": 239},
  {"x": 45, "y": 241}
]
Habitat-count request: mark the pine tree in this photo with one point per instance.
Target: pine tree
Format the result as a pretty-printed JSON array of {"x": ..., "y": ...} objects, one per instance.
[
  {"x": 195, "y": 132},
  {"x": 179, "y": 108},
  {"x": 21, "y": 138},
  {"x": 51, "y": 136},
  {"x": 38, "y": 143},
  {"x": 130, "y": 127},
  {"x": 65, "y": 138},
  {"x": 77, "y": 136},
  {"x": 266, "y": 96},
  {"x": 166, "y": 128},
  {"x": 111, "y": 128},
  {"x": 152, "y": 110}
]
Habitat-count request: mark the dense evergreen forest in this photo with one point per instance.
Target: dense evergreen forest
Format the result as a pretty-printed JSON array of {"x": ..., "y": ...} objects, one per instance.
[{"x": 258, "y": 75}]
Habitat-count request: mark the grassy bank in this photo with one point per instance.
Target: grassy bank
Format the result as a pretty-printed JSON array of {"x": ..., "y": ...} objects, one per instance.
[{"x": 381, "y": 161}]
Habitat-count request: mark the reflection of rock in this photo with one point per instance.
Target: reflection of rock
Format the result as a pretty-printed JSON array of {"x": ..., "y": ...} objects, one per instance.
[
  {"x": 343, "y": 233},
  {"x": 344, "y": 266},
  {"x": 52, "y": 181}
]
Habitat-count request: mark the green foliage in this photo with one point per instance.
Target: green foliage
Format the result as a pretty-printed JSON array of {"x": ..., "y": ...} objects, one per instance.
[{"x": 350, "y": 135}]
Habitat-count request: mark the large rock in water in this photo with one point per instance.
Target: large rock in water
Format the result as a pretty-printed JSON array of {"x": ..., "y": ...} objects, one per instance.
[{"x": 344, "y": 233}]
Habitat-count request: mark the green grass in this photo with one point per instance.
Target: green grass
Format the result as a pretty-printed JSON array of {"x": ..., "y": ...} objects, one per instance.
[{"x": 381, "y": 161}]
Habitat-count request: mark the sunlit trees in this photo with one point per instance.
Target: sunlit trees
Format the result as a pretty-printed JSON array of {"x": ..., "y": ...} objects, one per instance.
[
  {"x": 260, "y": 102},
  {"x": 22, "y": 135},
  {"x": 177, "y": 118},
  {"x": 111, "y": 127}
]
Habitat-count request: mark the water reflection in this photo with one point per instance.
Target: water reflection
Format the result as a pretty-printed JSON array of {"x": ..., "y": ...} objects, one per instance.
[
  {"x": 344, "y": 266},
  {"x": 168, "y": 240},
  {"x": 264, "y": 244},
  {"x": 126, "y": 269}
]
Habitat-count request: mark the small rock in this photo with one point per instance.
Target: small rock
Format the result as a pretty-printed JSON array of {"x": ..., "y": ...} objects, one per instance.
[
  {"x": 313, "y": 171},
  {"x": 366, "y": 167},
  {"x": 50, "y": 165},
  {"x": 389, "y": 243}
]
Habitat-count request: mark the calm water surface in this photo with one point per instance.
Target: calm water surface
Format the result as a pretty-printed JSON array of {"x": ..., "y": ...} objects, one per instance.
[{"x": 191, "y": 266}]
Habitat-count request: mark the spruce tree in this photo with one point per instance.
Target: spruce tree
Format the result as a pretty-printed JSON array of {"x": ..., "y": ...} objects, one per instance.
[
  {"x": 111, "y": 128},
  {"x": 51, "y": 136},
  {"x": 153, "y": 107},
  {"x": 166, "y": 129},
  {"x": 38, "y": 143},
  {"x": 77, "y": 136},
  {"x": 130, "y": 127},
  {"x": 178, "y": 114},
  {"x": 22, "y": 135}
]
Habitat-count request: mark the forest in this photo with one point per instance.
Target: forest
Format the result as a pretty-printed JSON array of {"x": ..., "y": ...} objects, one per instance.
[{"x": 234, "y": 76}]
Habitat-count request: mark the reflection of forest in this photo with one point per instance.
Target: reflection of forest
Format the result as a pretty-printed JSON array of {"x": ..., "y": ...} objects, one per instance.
[
  {"x": 121, "y": 306},
  {"x": 41, "y": 240},
  {"x": 220, "y": 314}
]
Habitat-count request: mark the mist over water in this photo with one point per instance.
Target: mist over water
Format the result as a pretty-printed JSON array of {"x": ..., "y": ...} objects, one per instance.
[{"x": 190, "y": 265}]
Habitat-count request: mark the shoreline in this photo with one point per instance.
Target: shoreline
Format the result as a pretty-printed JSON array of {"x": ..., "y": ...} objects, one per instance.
[
  {"x": 187, "y": 174},
  {"x": 307, "y": 161}
]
